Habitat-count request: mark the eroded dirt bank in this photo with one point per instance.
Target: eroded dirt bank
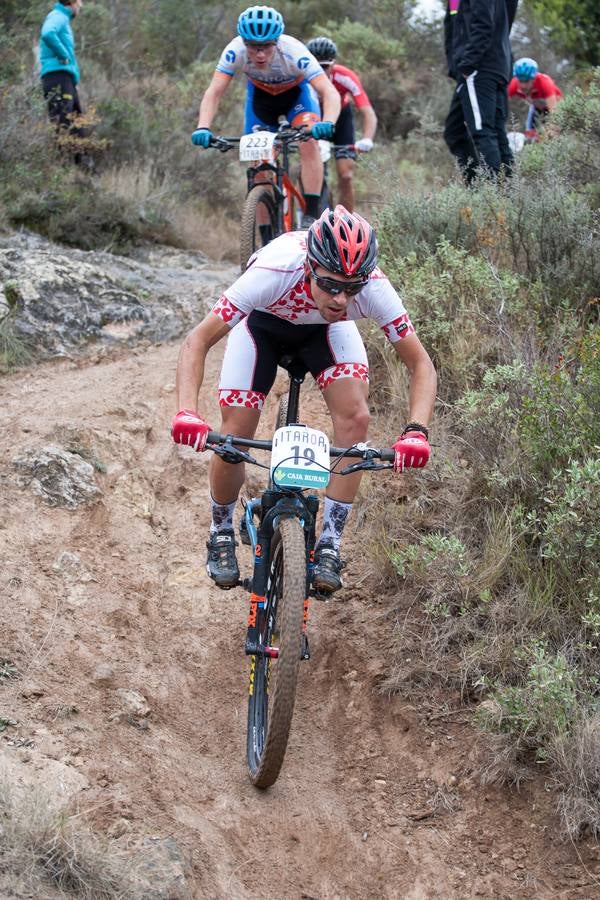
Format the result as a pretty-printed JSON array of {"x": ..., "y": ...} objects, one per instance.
[{"x": 376, "y": 798}]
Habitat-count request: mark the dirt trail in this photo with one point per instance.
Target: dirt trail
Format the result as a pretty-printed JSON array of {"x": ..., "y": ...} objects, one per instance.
[{"x": 374, "y": 800}]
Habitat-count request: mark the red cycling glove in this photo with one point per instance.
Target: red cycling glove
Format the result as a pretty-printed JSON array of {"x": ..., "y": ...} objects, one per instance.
[
  {"x": 191, "y": 429},
  {"x": 412, "y": 451}
]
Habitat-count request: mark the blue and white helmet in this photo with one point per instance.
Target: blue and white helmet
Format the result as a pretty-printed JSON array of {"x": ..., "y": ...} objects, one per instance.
[
  {"x": 525, "y": 69},
  {"x": 260, "y": 24}
]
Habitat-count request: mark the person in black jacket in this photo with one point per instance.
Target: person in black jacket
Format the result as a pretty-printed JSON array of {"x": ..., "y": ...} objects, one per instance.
[{"x": 480, "y": 60}]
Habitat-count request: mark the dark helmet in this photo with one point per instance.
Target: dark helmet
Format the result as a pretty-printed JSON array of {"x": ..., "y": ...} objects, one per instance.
[
  {"x": 342, "y": 242},
  {"x": 259, "y": 24},
  {"x": 323, "y": 49}
]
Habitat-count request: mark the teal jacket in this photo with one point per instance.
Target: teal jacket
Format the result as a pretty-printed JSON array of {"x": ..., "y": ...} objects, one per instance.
[{"x": 57, "y": 44}]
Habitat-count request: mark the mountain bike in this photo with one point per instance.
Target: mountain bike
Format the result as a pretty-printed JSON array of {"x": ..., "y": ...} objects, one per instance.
[
  {"x": 273, "y": 197},
  {"x": 279, "y": 525}
]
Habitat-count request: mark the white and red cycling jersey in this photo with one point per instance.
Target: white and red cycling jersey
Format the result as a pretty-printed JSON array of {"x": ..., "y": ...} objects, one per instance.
[
  {"x": 271, "y": 306},
  {"x": 349, "y": 86},
  {"x": 275, "y": 282},
  {"x": 292, "y": 63}
]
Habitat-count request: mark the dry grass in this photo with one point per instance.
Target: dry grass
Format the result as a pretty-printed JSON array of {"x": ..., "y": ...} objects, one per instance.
[
  {"x": 577, "y": 760},
  {"x": 43, "y": 847},
  {"x": 217, "y": 236}
]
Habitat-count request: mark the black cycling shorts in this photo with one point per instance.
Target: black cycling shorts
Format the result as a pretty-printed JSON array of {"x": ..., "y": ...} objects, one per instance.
[{"x": 344, "y": 133}]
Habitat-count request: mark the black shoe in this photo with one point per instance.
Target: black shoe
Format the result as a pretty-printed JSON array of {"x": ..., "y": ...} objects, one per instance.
[
  {"x": 221, "y": 563},
  {"x": 306, "y": 221},
  {"x": 326, "y": 573}
]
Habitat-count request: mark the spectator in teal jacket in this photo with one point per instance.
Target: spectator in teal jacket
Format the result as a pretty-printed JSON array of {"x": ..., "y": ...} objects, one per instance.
[{"x": 59, "y": 69}]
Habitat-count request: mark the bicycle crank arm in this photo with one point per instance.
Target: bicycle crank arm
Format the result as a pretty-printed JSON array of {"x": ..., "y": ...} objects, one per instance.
[{"x": 254, "y": 648}]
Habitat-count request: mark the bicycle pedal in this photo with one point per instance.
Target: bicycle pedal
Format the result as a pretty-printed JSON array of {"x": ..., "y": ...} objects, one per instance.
[{"x": 304, "y": 648}]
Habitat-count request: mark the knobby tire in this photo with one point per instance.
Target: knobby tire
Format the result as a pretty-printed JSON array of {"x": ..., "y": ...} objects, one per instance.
[
  {"x": 250, "y": 240},
  {"x": 273, "y": 681},
  {"x": 282, "y": 412}
]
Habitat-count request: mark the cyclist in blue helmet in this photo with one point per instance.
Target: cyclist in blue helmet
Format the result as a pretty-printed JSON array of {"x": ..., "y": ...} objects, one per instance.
[
  {"x": 538, "y": 90},
  {"x": 283, "y": 79}
]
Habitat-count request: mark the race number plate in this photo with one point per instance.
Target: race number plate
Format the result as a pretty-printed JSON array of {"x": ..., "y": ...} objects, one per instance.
[
  {"x": 325, "y": 150},
  {"x": 300, "y": 457},
  {"x": 258, "y": 145}
]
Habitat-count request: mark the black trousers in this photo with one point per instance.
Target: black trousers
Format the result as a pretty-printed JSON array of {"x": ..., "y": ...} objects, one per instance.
[
  {"x": 63, "y": 100},
  {"x": 475, "y": 130}
]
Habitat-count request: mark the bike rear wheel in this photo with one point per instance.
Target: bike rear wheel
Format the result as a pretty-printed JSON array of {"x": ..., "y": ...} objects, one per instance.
[
  {"x": 259, "y": 209},
  {"x": 273, "y": 680}
]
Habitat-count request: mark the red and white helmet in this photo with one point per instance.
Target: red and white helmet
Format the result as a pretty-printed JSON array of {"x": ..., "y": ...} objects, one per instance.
[{"x": 343, "y": 242}]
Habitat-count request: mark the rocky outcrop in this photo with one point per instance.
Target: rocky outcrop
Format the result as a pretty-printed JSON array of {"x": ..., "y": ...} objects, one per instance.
[
  {"x": 59, "y": 477},
  {"x": 56, "y": 301}
]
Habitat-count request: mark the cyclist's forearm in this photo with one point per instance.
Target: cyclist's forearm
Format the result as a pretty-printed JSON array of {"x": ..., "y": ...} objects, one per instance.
[
  {"x": 192, "y": 356},
  {"x": 329, "y": 98},
  {"x": 331, "y": 107},
  {"x": 208, "y": 110},
  {"x": 369, "y": 122},
  {"x": 190, "y": 375},
  {"x": 210, "y": 101},
  {"x": 422, "y": 392}
]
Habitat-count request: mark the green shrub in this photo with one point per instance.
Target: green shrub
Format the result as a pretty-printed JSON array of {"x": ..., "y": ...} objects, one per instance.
[{"x": 541, "y": 708}]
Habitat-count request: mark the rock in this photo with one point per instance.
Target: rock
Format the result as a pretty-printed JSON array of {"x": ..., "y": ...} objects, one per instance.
[
  {"x": 71, "y": 567},
  {"x": 161, "y": 870},
  {"x": 57, "y": 300},
  {"x": 30, "y": 691},
  {"x": 134, "y": 704},
  {"x": 59, "y": 477},
  {"x": 103, "y": 674}
]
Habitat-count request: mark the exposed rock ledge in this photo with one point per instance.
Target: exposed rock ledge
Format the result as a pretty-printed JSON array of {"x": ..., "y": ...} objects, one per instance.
[{"x": 56, "y": 300}]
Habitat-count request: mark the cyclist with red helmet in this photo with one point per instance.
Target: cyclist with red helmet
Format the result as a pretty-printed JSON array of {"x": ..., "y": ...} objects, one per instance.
[
  {"x": 351, "y": 91},
  {"x": 284, "y": 79},
  {"x": 302, "y": 295}
]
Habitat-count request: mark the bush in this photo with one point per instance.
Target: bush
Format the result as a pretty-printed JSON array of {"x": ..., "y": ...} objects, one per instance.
[{"x": 500, "y": 547}]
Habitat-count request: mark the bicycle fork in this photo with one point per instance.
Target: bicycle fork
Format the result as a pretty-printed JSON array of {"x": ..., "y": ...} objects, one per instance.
[{"x": 273, "y": 505}]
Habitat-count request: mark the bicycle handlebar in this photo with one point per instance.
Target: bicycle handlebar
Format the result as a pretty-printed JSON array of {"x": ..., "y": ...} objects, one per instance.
[
  {"x": 229, "y": 442},
  {"x": 225, "y": 142}
]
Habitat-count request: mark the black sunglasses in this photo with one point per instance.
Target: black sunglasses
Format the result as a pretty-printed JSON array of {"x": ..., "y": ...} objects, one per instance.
[{"x": 333, "y": 287}]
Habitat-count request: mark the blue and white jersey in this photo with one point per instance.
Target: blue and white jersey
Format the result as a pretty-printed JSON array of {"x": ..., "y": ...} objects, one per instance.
[{"x": 292, "y": 63}]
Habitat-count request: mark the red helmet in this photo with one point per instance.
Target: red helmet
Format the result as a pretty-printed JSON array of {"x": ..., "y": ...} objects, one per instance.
[{"x": 343, "y": 242}]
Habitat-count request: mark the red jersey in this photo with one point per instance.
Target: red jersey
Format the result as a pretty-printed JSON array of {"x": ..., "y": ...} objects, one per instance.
[
  {"x": 542, "y": 88},
  {"x": 348, "y": 86}
]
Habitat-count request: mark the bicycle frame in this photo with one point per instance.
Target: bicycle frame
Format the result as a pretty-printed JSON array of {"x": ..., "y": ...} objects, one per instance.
[{"x": 282, "y": 184}]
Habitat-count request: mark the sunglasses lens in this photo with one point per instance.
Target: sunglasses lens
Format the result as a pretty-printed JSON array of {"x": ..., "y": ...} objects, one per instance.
[
  {"x": 339, "y": 287},
  {"x": 333, "y": 287}
]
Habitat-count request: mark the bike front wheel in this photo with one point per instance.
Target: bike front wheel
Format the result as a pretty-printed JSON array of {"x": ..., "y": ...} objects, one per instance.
[
  {"x": 259, "y": 210},
  {"x": 273, "y": 678}
]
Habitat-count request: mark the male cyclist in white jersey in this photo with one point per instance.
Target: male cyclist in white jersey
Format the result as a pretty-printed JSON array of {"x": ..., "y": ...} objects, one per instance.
[
  {"x": 285, "y": 79},
  {"x": 300, "y": 296}
]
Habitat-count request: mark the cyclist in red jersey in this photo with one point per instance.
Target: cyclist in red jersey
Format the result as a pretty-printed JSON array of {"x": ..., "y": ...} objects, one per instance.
[
  {"x": 539, "y": 90},
  {"x": 301, "y": 295},
  {"x": 349, "y": 87}
]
